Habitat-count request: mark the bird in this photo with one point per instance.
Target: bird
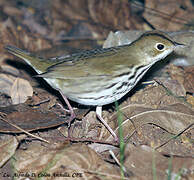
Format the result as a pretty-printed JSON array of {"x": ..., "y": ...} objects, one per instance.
[{"x": 100, "y": 76}]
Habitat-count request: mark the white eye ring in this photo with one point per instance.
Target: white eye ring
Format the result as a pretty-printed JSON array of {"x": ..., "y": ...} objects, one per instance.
[{"x": 160, "y": 46}]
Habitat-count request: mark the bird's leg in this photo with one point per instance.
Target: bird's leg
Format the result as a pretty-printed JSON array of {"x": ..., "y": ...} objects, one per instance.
[
  {"x": 72, "y": 116},
  {"x": 66, "y": 110},
  {"x": 99, "y": 115}
]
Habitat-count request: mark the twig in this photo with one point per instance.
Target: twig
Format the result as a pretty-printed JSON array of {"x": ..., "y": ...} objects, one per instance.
[
  {"x": 174, "y": 136},
  {"x": 22, "y": 130}
]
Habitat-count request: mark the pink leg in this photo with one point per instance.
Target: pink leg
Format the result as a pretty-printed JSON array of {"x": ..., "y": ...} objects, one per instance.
[
  {"x": 72, "y": 117},
  {"x": 99, "y": 115}
]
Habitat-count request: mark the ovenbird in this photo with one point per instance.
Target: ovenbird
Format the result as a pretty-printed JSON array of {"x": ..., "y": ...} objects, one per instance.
[{"x": 101, "y": 76}]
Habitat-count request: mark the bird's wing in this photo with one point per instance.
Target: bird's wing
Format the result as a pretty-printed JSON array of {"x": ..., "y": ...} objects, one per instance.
[{"x": 88, "y": 63}]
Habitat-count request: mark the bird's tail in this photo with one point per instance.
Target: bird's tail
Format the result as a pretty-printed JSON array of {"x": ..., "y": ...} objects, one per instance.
[{"x": 39, "y": 64}]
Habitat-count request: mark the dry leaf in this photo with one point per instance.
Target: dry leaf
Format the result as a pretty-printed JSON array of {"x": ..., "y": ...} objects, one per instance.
[
  {"x": 9, "y": 70},
  {"x": 63, "y": 161},
  {"x": 7, "y": 149},
  {"x": 28, "y": 118},
  {"x": 155, "y": 96},
  {"x": 100, "y": 16},
  {"x": 7, "y": 77},
  {"x": 168, "y": 15},
  {"x": 6, "y": 82},
  {"x": 173, "y": 86},
  {"x": 11, "y": 35},
  {"x": 140, "y": 160},
  {"x": 184, "y": 76},
  {"x": 20, "y": 91},
  {"x": 189, "y": 79},
  {"x": 173, "y": 121}
]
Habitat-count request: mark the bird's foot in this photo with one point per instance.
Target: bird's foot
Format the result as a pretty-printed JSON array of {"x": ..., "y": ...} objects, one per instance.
[{"x": 99, "y": 115}]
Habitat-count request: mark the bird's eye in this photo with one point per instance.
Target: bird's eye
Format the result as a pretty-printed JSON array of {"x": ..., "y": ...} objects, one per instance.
[{"x": 160, "y": 46}]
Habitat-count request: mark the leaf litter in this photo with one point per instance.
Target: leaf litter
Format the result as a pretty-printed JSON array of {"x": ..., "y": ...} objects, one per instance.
[{"x": 152, "y": 113}]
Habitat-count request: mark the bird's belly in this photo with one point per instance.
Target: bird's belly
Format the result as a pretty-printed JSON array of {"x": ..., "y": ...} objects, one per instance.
[
  {"x": 90, "y": 95},
  {"x": 96, "y": 99},
  {"x": 88, "y": 92}
]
